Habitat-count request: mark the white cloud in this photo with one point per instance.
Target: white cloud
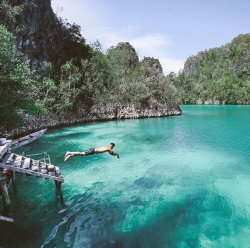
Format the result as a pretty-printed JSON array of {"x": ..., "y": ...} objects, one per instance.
[
  {"x": 151, "y": 45},
  {"x": 154, "y": 45},
  {"x": 171, "y": 64}
]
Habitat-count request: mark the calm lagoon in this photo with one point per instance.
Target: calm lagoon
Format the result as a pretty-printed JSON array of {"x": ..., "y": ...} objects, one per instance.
[{"x": 181, "y": 181}]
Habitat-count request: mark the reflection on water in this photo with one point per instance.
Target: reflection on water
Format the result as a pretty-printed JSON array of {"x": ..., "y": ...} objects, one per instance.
[{"x": 181, "y": 182}]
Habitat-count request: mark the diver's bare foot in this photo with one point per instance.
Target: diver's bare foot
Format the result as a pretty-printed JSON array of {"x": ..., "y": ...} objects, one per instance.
[{"x": 67, "y": 155}]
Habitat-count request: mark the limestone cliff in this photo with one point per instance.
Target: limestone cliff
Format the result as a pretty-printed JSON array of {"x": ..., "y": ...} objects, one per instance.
[
  {"x": 33, "y": 23},
  {"x": 154, "y": 64},
  {"x": 40, "y": 35}
]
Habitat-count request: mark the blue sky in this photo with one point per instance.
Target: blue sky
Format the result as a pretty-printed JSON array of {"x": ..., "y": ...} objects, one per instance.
[{"x": 169, "y": 30}]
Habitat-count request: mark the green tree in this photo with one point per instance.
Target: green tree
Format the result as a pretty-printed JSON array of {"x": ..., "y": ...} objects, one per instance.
[
  {"x": 15, "y": 81},
  {"x": 67, "y": 88},
  {"x": 72, "y": 44},
  {"x": 8, "y": 13},
  {"x": 44, "y": 89}
]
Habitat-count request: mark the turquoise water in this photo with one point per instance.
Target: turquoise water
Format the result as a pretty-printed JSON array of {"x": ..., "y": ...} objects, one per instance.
[{"x": 180, "y": 182}]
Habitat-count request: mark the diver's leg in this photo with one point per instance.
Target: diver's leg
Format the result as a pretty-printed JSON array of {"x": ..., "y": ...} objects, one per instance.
[{"x": 71, "y": 154}]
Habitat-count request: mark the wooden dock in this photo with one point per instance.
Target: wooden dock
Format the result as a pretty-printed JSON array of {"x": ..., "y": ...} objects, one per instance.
[
  {"x": 14, "y": 162},
  {"x": 19, "y": 163},
  {"x": 11, "y": 162}
]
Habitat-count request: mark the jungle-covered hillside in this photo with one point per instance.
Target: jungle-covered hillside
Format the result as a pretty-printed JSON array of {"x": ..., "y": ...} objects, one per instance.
[{"x": 218, "y": 75}]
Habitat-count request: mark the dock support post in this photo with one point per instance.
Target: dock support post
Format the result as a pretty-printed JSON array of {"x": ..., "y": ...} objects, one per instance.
[
  {"x": 14, "y": 177},
  {"x": 59, "y": 191},
  {"x": 5, "y": 195}
]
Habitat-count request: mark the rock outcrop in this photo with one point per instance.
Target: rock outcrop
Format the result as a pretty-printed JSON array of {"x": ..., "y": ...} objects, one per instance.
[
  {"x": 97, "y": 113},
  {"x": 33, "y": 24},
  {"x": 40, "y": 35},
  {"x": 154, "y": 64},
  {"x": 128, "y": 53}
]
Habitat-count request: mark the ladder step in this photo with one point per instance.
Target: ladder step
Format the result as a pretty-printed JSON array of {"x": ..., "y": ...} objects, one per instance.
[
  {"x": 51, "y": 170},
  {"x": 43, "y": 168},
  {"x": 18, "y": 161},
  {"x": 26, "y": 163},
  {"x": 29, "y": 166},
  {"x": 34, "y": 165}
]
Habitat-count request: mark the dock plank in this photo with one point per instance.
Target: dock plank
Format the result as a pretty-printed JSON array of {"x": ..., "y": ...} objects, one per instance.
[
  {"x": 34, "y": 165},
  {"x": 26, "y": 163},
  {"x": 18, "y": 161}
]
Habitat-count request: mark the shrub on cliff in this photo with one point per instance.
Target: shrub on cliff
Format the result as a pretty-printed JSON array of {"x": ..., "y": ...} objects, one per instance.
[{"x": 15, "y": 82}]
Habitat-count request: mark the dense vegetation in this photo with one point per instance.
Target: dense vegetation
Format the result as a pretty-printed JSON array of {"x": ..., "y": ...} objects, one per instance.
[
  {"x": 219, "y": 75},
  {"x": 77, "y": 86},
  {"x": 14, "y": 80},
  {"x": 69, "y": 76}
]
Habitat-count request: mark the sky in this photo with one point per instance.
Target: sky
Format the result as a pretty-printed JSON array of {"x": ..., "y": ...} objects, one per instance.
[{"x": 168, "y": 30}]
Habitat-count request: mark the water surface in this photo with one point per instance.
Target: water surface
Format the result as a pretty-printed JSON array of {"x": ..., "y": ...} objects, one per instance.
[{"x": 180, "y": 182}]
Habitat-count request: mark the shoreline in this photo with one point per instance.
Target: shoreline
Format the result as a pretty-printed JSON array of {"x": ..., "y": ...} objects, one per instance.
[{"x": 97, "y": 114}]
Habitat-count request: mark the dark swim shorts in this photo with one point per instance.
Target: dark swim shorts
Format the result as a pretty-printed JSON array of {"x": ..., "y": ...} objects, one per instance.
[{"x": 90, "y": 151}]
